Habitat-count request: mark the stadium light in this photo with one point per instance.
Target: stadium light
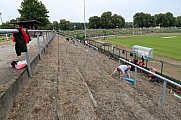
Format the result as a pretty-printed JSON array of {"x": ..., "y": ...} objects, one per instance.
[
  {"x": 1, "y": 19},
  {"x": 84, "y": 21}
]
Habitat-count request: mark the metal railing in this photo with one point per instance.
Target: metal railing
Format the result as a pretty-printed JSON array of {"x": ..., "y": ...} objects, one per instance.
[
  {"x": 49, "y": 34},
  {"x": 161, "y": 77},
  {"x": 165, "y": 69}
]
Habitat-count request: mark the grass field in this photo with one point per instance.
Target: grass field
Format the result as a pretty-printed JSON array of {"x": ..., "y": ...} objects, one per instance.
[{"x": 166, "y": 45}]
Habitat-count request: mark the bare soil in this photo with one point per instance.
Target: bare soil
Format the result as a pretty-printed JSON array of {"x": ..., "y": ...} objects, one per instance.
[
  {"x": 73, "y": 83},
  {"x": 7, "y": 54}
]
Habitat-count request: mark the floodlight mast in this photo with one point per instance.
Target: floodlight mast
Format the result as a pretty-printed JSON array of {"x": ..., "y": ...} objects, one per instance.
[
  {"x": 1, "y": 18},
  {"x": 84, "y": 22}
]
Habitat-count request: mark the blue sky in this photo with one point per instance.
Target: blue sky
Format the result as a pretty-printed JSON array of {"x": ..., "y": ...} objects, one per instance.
[{"x": 73, "y": 10}]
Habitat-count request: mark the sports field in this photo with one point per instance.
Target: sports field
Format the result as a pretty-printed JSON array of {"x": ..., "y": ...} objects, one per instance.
[{"x": 166, "y": 45}]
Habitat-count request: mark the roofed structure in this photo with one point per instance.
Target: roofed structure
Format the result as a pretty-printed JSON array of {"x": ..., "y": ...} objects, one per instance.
[{"x": 31, "y": 24}]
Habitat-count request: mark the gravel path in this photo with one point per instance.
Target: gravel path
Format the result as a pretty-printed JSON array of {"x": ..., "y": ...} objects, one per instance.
[{"x": 69, "y": 83}]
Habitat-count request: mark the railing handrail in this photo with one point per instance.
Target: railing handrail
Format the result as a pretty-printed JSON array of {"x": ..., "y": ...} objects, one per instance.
[
  {"x": 161, "y": 77},
  {"x": 5, "y": 31}
]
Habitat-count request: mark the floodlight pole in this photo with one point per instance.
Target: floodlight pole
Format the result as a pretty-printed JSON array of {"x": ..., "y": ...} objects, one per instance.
[
  {"x": 1, "y": 19},
  {"x": 84, "y": 21}
]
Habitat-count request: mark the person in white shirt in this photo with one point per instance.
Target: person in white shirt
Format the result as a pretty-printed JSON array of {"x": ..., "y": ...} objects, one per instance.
[{"x": 123, "y": 69}]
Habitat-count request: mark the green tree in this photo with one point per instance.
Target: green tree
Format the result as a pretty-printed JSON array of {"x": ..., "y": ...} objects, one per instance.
[
  {"x": 171, "y": 19},
  {"x": 56, "y": 25},
  {"x": 118, "y": 21},
  {"x": 64, "y": 24},
  {"x": 165, "y": 20},
  {"x": 106, "y": 20},
  {"x": 140, "y": 19},
  {"x": 158, "y": 19},
  {"x": 144, "y": 20},
  {"x": 6, "y": 25},
  {"x": 178, "y": 21},
  {"x": 148, "y": 20},
  {"x": 48, "y": 26},
  {"x": 34, "y": 10},
  {"x": 128, "y": 25},
  {"x": 77, "y": 26},
  {"x": 94, "y": 22},
  {"x": 153, "y": 21}
]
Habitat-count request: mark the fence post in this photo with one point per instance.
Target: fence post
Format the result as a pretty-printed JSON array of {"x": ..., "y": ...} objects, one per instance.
[
  {"x": 47, "y": 39},
  {"x": 38, "y": 41},
  {"x": 162, "y": 67},
  {"x": 44, "y": 39},
  {"x": 104, "y": 49},
  {"x": 28, "y": 63},
  {"x": 135, "y": 76},
  {"x": 113, "y": 50},
  {"x": 126, "y": 54},
  {"x": 146, "y": 62},
  {"x": 163, "y": 94},
  {"x": 119, "y": 62}
]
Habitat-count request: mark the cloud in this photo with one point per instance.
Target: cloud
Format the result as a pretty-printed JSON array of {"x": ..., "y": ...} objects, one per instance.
[{"x": 73, "y": 10}]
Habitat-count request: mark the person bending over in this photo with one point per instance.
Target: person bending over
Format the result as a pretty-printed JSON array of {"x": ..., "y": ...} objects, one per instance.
[{"x": 122, "y": 69}]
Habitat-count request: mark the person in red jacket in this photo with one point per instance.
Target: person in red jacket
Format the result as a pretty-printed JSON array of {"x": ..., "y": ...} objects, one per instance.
[
  {"x": 153, "y": 78},
  {"x": 20, "y": 39},
  {"x": 141, "y": 64}
]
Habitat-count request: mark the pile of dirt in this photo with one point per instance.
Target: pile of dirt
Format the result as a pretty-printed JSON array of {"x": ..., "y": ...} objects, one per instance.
[{"x": 73, "y": 82}]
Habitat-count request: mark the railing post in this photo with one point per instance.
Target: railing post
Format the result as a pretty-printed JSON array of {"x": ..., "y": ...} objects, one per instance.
[
  {"x": 104, "y": 49},
  {"x": 38, "y": 41},
  {"x": 135, "y": 76},
  {"x": 113, "y": 50},
  {"x": 47, "y": 39},
  {"x": 28, "y": 63},
  {"x": 43, "y": 39},
  {"x": 162, "y": 67},
  {"x": 163, "y": 94},
  {"x": 51, "y": 36},
  {"x": 126, "y": 54},
  {"x": 97, "y": 52},
  {"x": 146, "y": 62}
]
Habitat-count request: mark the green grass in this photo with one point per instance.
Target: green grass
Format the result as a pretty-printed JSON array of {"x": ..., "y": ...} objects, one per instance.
[{"x": 166, "y": 47}]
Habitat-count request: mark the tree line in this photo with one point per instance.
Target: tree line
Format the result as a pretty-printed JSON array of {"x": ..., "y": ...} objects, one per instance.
[
  {"x": 36, "y": 10},
  {"x": 162, "y": 20},
  {"x": 140, "y": 20}
]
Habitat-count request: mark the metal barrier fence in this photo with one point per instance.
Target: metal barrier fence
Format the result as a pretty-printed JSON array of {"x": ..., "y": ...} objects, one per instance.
[
  {"x": 161, "y": 77},
  {"x": 49, "y": 34},
  {"x": 123, "y": 55},
  {"x": 94, "y": 48},
  {"x": 167, "y": 70}
]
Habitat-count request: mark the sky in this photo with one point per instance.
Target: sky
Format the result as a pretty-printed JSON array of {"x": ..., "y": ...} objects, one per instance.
[{"x": 73, "y": 10}]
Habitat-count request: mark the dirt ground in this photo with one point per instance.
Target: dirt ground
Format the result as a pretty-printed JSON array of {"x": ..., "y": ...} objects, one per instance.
[
  {"x": 73, "y": 83},
  {"x": 7, "y": 54}
]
